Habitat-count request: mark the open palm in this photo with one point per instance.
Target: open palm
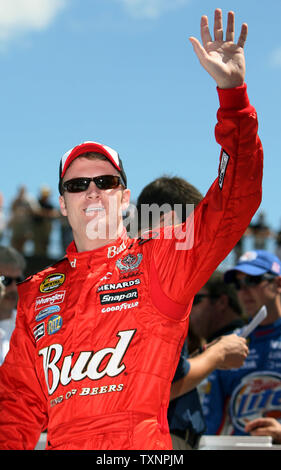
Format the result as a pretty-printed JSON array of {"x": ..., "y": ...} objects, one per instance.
[{"x": 223, "y": 59}]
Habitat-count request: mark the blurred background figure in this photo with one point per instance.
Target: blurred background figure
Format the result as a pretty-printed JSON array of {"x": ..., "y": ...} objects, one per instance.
[
  {"x": 216, "y": 310},
  {"x": 185, "y": 416},
  {"x": 43, "y": 218},
  {"x": 20, "y": 221},
  {"x": 237, "y": 401},
  {"x": 12, "y": 268},
  {"x": 260, "y": 232},
  {"x": 66, "y": 235}
]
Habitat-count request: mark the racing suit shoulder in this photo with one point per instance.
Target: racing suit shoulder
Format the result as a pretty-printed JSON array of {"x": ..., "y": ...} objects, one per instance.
[
  {"x": 60, "y": 264},
  {"x": 183, "y": 262}
]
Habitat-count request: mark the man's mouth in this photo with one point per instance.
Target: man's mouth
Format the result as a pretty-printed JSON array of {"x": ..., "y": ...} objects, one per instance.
[{"x": 93, "y": 210}]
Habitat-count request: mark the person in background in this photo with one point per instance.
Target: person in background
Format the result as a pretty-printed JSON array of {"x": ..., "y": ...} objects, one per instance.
[
  {"x": 265, "y": 427},
  {"x": 216, "y": 310},
  {"x": 174, "y": 197},
  {"x": 43, "y": 218},
  {"x": 20, "y": 220},
  {"x": 260, "y": 232},
  {"x": 237, "y": 401},
  {"x": 12, "y": 267}
]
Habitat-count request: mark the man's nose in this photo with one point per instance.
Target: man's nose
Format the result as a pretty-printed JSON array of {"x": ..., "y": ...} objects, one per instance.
[{"x": 93, "y": 190}]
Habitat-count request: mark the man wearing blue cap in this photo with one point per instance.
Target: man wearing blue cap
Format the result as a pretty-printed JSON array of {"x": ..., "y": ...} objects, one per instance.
[{"x": 245, "y": 400}]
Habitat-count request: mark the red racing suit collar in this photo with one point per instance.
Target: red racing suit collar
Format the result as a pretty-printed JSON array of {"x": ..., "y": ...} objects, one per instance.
[{"x": 92, "y": 257}]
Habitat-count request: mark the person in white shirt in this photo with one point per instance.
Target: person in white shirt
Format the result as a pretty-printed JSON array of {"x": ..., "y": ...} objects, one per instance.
[{"x": 12, "y": 266}]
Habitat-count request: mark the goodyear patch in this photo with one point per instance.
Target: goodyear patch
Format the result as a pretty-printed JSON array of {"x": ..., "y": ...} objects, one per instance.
[
  {"x": 52, "y": 282},
  {"x": 54, "y": 324}
]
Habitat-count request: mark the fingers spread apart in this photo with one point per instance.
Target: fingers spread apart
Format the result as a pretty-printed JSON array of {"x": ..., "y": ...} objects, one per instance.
[{"x": 218, "y": 29}]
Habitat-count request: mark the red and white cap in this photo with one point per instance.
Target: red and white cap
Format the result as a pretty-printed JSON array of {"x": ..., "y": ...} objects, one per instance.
[{"x": 86, "y": 147}]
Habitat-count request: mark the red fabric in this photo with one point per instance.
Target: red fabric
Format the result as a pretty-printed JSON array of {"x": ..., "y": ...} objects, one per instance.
[{"x": 97, "y": 372}]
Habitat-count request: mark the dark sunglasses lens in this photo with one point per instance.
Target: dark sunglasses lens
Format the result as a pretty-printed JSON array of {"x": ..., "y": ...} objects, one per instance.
[
  {"x": 253, "y": 280},
  {"x": 107, "y": 181},
  {"x": 7, "y": 280},
  {"x": 77, "y": 185},
  {"x": 248, "y": 281}
]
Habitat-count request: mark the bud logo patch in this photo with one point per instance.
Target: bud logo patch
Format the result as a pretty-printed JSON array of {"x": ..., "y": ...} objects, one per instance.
[
  {"x": 88, "y": 364},
  {"x": 115, "y": 250}
]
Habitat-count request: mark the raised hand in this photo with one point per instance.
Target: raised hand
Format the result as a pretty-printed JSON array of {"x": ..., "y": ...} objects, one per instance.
[{"x": 223, "y": 59}]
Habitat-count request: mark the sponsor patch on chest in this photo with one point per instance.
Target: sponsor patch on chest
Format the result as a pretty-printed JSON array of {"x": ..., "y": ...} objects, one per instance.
[
  {"x": 116, "y": 297},
  {"x": 52, "y": 282}
]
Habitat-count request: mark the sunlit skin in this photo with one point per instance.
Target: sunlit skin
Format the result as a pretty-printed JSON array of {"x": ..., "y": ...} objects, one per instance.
[
  {"x": 93, "y": 205},
  {"x": 266, "y": 293}
]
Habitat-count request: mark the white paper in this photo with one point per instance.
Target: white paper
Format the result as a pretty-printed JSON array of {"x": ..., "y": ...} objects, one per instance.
[{"x": 258, "y": 318}]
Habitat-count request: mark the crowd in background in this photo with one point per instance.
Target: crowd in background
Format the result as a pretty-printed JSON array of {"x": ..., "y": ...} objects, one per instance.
[{"x": 29, "y": 223}]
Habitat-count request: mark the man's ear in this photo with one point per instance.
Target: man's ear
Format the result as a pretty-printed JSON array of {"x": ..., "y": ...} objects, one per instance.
[
  {"x": 126, "y": 196},
  {"x": 62, "y": 205}
]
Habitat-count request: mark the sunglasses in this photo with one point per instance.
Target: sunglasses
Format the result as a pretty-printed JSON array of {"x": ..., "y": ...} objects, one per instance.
[
  {"x": 252, "y": 281},
  {"x": 77, "y": 185},
  {"x": 199, "y": 297},
  {"x": 7, "y": 280}
]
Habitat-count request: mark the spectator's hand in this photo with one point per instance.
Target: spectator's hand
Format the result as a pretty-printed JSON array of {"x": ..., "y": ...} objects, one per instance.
[
  {"x": 231, "y": 351},
  {"x": 223, "y": 60},
  {"x": 265, "y": 427}
]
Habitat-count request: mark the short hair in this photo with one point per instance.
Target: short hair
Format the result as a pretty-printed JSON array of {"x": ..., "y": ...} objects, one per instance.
[
  {"x": 171, "y": 190},
  {"x": 10, "y": 256},
  {"x": 216, "y": 286}
]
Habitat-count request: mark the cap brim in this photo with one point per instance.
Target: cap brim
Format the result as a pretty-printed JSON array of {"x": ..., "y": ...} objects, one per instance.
[{"x": 244, "y": 268}]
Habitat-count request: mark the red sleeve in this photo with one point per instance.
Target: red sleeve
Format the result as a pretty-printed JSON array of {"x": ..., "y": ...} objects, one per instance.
[
  {"x": 22, "y": 402},
  {"x": 221, "y": 218}
]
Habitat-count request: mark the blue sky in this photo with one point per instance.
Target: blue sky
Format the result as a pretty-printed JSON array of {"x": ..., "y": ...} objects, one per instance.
[{"x": 122, "y": 72}]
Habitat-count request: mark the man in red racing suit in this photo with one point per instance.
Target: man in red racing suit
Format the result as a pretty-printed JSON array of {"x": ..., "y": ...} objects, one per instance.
[{"x": 98, "y": 334}]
